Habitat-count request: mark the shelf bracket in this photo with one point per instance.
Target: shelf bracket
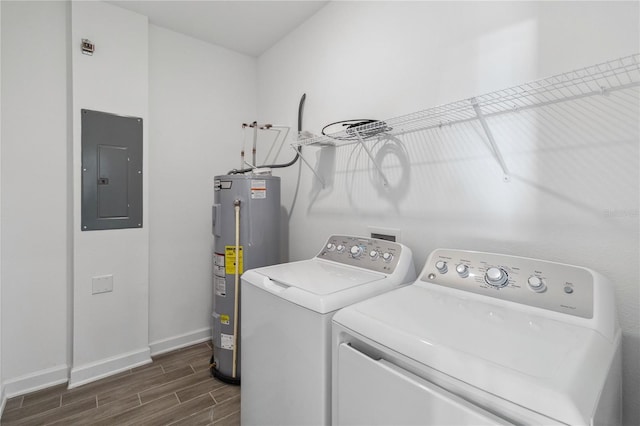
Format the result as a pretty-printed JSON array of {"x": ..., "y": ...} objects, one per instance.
[
  {"x": 298, "y": 149},
  {"x": 492, "y": 141},
  {"x": 373, "y": 160}
]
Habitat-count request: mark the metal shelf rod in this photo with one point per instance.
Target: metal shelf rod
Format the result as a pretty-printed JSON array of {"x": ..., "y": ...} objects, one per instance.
[
  {"x": 600, "y": 79},
  {"x": 311, "y": 168},
  {"x": 492, "y": 141},
  {"x": 617, "y": 74},
  {"x": 375, "y": 163}
]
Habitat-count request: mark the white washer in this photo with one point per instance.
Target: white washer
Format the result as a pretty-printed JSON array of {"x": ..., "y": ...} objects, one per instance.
[
  {"x": 481, "y": 338},
  {"x": 286, "y": 325}
]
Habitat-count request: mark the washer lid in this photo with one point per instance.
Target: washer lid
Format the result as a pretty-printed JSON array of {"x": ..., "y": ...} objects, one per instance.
[
  {"x": 319, "y": 285},
  {"x": 551, "y": 367}
]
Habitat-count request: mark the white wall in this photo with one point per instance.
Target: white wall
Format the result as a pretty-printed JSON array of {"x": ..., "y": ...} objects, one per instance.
[
  {"x": 110, "y": 330},
  {"x": 574, "y": 191},
  {"x": 573, "y": 197},
  {"x": 34, "y": 194},
  {"x": 3, "y": 400},
  {"x": 199, "y": 95}
]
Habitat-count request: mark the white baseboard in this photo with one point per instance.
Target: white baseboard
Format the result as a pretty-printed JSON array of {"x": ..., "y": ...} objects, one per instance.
[
  {"x": 3, "y": 399},
  {"x": 87, "y": 373},
  {"x": 176, "y": 342},
  {"x": 34, "y": 381}
]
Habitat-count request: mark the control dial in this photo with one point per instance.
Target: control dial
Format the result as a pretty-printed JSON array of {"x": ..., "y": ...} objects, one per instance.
[
  {"x": 387, "y": 257},
  {"x": 340, "y": 248},
  {"x": 441, "y": 266},
  {"x": 374, "y": 254},
  {"x": 496, "y": 277},
  {"x": 536, "y": 284},
  {"x": 331, "y": 247},
  {"x": 462, "y": 270},
  {"x": 356, "y": 251}
]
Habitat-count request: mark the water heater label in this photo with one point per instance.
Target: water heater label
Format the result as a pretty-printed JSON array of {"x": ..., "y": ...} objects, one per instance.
[
  {"x": 226, "y": 341},
  {"x": 218, "y": 264},
  {"x": 224, "y": 319},
  {"x": 221, "y": 286},
  {"x": 258, "y": 189},
  {"x": 230, "y": 260}
]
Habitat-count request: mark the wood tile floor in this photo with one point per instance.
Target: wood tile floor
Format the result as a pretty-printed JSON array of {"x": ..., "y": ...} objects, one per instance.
[{"x": 176, "y": 389}]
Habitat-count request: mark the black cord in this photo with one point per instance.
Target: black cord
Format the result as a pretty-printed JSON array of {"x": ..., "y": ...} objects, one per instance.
[{"x": 353, "y": 128}]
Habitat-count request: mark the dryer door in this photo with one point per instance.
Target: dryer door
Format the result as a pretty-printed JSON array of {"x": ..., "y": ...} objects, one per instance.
[{"x": 376, "y": 392}]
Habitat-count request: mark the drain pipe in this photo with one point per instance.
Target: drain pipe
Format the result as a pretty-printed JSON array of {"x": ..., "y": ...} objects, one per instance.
[
  {"x": 278, "y": 166},
  {"x": 255, "y": 143},
  {"x": 244, "y": 125},
  {"x": 236, "y": 206}
]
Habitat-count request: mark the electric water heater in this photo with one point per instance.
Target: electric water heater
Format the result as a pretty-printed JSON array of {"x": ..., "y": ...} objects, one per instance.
[{"x": 246, "y": 227}]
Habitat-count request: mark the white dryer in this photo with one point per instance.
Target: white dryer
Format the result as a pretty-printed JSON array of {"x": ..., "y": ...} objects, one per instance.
[
  {"x": 286, "y": 325},
  {"x": 481, "y": 338}
]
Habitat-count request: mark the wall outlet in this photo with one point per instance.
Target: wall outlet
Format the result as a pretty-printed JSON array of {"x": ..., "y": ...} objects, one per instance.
[
  {"x": 102, "y": 284},
  {"x": 388, "y": 234}
]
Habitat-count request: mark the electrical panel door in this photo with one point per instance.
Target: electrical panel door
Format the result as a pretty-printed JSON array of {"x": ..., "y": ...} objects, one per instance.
[{"x": 111, "y": 171}]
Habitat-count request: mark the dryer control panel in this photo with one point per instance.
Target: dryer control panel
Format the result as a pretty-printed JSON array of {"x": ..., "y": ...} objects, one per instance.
[
  {"x": 549, "y": 285},
  {"x": 370, "y": 253}
]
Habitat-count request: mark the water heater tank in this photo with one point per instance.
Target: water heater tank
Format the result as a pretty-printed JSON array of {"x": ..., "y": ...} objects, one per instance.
[{"x": 246, "y": 229}]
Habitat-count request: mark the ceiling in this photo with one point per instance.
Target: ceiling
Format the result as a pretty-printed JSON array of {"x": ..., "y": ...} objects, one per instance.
[{"x": 249, "y": 27}]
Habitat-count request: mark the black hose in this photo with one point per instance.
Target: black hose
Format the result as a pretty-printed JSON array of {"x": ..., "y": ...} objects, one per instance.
[
  {"x": 298, "y": 150},
  {"x": 300, "y": 110}
]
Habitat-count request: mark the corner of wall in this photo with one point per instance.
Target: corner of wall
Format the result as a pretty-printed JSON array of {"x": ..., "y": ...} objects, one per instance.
[
  {"x": 178, "y": 342},
  {"x": 110, "y": 330},
  {"x": 35, "y": 381},
  {"x": 69, "y": 186},
  {"x": 91, "y": 372},
  {"x": 3, "y": 399}
]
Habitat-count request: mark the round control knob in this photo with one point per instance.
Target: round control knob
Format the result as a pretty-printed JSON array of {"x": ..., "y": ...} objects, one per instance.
[
  {"x": 356, "y": 251},
  {"x": 441, "y": 266},
  {"x": 374, "y": 254},
  {"x": 387, "y": 257},
  {"x": 340, "y": 248},
  {"x": 331, "y": 247},
  {"x": 462, "y": 270},
  {"x": 496, "y": 277},
  {"x": 536, "y": 284}
]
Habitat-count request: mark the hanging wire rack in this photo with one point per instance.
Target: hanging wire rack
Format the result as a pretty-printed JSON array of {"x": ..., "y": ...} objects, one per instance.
[{"x": 597, "y": 79}]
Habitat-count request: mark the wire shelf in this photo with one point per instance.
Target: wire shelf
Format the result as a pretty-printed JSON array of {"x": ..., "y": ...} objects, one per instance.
[{"x": 597, "y": 79}]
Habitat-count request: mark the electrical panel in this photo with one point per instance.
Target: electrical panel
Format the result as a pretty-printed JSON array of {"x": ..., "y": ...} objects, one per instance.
[{"x": 111, "y": 171}]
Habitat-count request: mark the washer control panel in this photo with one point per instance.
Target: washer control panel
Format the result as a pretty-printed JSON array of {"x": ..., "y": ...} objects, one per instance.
[
  {"x": 548, "y": 285},
  {"x": 370, "y": 253}
]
